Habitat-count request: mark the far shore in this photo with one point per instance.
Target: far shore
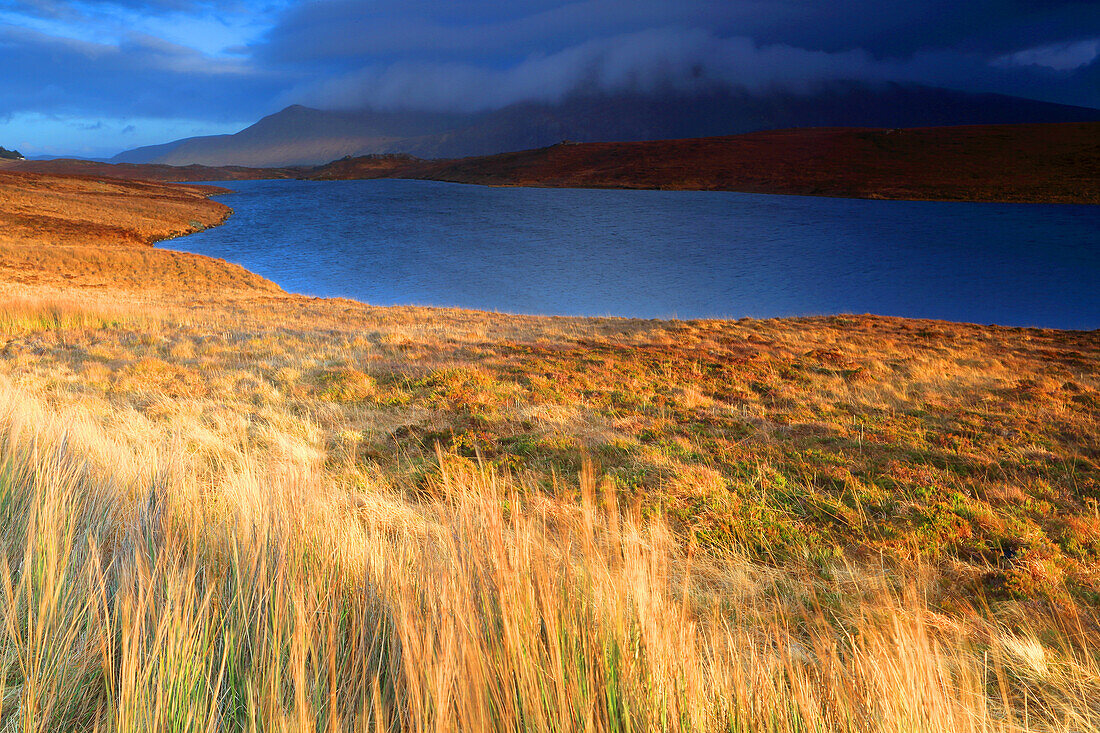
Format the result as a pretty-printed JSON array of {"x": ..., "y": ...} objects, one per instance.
[{"x": 1044, "y": 163}]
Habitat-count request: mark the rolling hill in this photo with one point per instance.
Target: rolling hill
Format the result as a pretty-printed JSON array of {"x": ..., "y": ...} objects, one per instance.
[
  {"x": 1047, "y": 163},
  {"x": 1053, "y": 163},
  {"x": 146, "y": 171}
]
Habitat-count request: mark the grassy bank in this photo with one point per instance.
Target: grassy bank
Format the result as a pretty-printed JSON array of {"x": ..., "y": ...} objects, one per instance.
[
  {"x": 245, "y": 510},
  {"x": 59, "y": 233}
]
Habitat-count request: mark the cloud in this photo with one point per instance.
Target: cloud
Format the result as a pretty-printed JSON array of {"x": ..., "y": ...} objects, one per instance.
[
  {"x": 331, "y": 30},
  {"x": 1057, "y": 56},
  {"x": 638, "y": 62},
  {"x": 218, "y": 62},
  {"x": 141, "y": 75},
  {"x": 436, "y": 54},
  {"x": 439, "y": 54},
  {"x": 438, "y": 29},
  {"x": 79, "y": 8},
  {"x": 653, "y": 60}
]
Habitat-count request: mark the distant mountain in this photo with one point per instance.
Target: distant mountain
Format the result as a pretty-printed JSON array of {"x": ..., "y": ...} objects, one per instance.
[
  {"x": 146, "y": 171},
  {"x": 298, "y": 136},
  {"x": 67, "y": 157},
  {"x": 303, "y": 136},
  {"x": 6, "y": 154}
]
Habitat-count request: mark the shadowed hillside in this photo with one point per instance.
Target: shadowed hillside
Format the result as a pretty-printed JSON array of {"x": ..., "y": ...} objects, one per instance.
[
  {"x": 1052, "y": 163},
  {"x": 146, "y": 172},
  {"x": 302, "y": 136},
  {"x": 1039, "y": 163}
]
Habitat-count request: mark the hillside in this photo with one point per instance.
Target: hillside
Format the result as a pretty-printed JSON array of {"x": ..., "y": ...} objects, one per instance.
[
  {"x": 297, "y": 136},
  {"x": 59, "y": 230},
  {"x": 1038, "y": 163},
  {"x": 301, "y": 136},
  {"x": 229, "y": 504},
  {"x": 145, "y": 172},
  {"x": 1053, "y": 163}
]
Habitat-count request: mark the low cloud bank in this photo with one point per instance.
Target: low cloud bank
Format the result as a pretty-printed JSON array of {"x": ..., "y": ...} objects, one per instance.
[{"x": 687, "y": 60}]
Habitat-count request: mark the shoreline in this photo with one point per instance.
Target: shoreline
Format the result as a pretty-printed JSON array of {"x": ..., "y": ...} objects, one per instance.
[
  {"x": 141, "y": 269},
  {"x": 1043, "y": 164},
  {"x": 79, "y": 232},
  {"x": 731, "y": 319},
  {"x": 594, "y": 187},
  {"x": 208, "y": 473},
  {"x": 870, "y": 393}
]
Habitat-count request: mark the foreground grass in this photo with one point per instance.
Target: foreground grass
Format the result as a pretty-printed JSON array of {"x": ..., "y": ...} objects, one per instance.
[
  {"x": 277, "y": 513},
  {"x": 144, "y": 592}
]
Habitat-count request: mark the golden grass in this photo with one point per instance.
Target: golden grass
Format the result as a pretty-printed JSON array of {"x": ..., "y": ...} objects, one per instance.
[
  {"x": 31, "y": 313},
  {"x": 233, "y": 509},
  {"x": 47, "y": 209},
  {"x": 144, "y": 590},
  {"x": 61, "y": 231},
  {"x": 203, "y": 529}
]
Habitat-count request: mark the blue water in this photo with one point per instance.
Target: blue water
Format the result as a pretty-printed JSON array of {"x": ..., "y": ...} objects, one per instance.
[{"x": 650, "y": 254}]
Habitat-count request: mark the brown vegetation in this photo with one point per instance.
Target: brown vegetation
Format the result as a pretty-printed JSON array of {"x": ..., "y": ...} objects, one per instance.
[
  {"x": 1047, "y": 163},
  {"x": 56, "y": 209},
  {"x": 1052, "y": 163},
  {"x": 146, "y": 171},
  {"x": 248, "y": 510}
]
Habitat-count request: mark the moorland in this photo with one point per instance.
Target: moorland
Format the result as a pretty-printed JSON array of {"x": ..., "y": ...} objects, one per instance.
[
  {"x": 1049, "y": 163},
  {"x": 228, "y": 507},
  {"x": 1035, "y": 163}
]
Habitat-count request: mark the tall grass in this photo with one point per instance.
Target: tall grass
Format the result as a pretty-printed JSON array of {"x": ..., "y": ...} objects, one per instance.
[
  {"x": 143, "y": 588},
  {"x": 27, "y": 314}
]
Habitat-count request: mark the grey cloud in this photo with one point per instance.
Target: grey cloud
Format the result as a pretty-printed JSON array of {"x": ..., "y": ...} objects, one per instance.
[
  {"x": 644, "y": 61},
  {"x": 683, "y": 59},
  {"x": 343, "y": 29},
  {"x": 476, "y": 54},
  {"x": 438, "y": 54},
  {"x": 1058, "y": 56}
]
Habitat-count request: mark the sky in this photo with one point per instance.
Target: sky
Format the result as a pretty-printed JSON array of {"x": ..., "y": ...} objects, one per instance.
[{"x": 94, "y": 77}]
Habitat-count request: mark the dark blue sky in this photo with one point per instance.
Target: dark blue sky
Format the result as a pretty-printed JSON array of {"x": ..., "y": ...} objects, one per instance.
[{"x": 96, "y": 77}]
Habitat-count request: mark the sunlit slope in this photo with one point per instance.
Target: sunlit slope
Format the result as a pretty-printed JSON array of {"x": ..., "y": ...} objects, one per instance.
[
  {"x": 57, "y": 231},
  {"x": 231, "y": 508}
]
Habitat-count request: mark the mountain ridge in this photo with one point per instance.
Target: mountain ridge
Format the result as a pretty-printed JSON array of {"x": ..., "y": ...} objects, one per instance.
[
  {"x": 1045, "y": 163},
  {"x": 303, "y": 136}
]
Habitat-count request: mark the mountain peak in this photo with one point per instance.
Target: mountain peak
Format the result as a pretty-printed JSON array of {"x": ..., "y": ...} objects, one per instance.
[{"x": 300, "y": 135}]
